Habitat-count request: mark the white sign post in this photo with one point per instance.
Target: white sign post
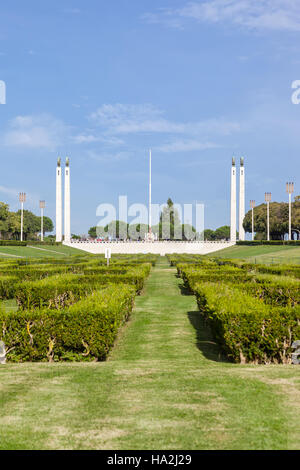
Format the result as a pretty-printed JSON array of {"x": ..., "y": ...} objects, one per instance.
[
  {"x": 107, "y": 255},
  {"x": 2, "y": 353}
]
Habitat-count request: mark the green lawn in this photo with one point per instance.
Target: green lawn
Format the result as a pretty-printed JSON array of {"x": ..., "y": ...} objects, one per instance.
[
  {"x": 165, "y": 386},
  {"x": 261, "y": 254},
  {"x": 39, "y": 251}
]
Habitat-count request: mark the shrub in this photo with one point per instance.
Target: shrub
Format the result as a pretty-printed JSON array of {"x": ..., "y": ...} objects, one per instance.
[
  {"x": 83, "y": 331},
  {"x": 247, "y": 329},
  {"x": 8, "y": 286}
]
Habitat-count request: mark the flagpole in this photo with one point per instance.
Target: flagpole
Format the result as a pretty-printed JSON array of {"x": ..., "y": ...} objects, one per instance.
[{"x": 150, "y": 192}]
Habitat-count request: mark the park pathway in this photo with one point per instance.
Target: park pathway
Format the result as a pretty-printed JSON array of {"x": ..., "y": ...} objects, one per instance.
[{"x": 164, "y": 386}]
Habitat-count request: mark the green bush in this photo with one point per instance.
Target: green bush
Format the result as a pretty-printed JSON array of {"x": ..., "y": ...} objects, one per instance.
[
  {"x": 84, "y": 331},
  {"x": 247, "y": 329},
  {"x": 274, "y": 290},
  {"x": 58, "y": 291},
  {"x": 270, "y": 242},
  {"x": 12, "y": 243},
  {"x": 8, "y": 286},
  {"x": 55, "y": 291}
]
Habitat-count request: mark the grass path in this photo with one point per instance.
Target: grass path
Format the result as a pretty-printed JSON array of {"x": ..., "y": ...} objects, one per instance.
[{"x": 164, "y": 386}]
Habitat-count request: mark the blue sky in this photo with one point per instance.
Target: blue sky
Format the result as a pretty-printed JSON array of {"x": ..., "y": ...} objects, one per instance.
[{"x": 103, "y": 81}]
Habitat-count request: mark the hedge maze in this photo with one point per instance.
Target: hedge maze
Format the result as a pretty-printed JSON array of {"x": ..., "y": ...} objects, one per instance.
[
  {"x": 70, "y": 309},
  {"x": 253, "y": 310}
]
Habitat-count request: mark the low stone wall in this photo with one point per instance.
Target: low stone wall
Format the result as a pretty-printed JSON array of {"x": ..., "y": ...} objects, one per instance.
[{"x": 161, "y": 248}]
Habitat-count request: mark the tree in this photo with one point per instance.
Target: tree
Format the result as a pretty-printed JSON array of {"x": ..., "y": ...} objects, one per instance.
[
  {"x": 222, "y": 233},
  {"x": 93, "y": 232},
  {"x": 10, "y": 224},
  {"x": 97, "y": 232},
  {"x": 188, "y": 232},
  {"x": 47, "y": 224},
  {"x": 117, "y": 229},
  {"x": 170, "y": 227},
  {"x": 209, "y": 235},
  {"x": 279, "y": 216},
  {"x": 137, "y": 231},
  {"x": 14, "y": 226}
]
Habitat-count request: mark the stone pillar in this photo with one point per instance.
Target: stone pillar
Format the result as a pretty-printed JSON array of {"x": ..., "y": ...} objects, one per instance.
[
  {"x": 58, "y": 202},
  {"x": 242, "y": 201},
  {"x": 67, "y": 202},
  {"x": 233, "y": 203}
]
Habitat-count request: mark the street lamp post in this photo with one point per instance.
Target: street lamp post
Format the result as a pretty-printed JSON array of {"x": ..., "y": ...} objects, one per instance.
[
  {"x": 42, "y": 207},
  {"x": 252, "y": 205},
  {"x": 290, "y": 190},
  {"x": 22, "y": 199},
  {"x": 268, "y": 197}
]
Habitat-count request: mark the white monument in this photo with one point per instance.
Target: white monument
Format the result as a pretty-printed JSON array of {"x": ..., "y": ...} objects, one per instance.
[
  {"x": 242, "y": 201},
  {"x": 58, "y": 202},
  {"x": 67, "y": 202},
  {"x": 233, "y": 203}
]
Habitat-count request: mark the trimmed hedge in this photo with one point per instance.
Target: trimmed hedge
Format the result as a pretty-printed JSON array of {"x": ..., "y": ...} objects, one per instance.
[
  {"x": 255, "y": 317},
  {"x": 270, "y": 242},
  {"x": 274, "y": 290},
  {"x": 61, "y": 290},
  {"x": 8, "y": 286},
  {"x": 84, "y": 331},
  {"x": 12, "y": 243},
  {"x": 248, "y": 330},
  {"x": 192, "y": 274}
]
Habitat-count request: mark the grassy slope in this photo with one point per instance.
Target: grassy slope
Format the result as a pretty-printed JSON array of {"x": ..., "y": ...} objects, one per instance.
[
  {"x": 164, "y": 387},
  {"x": 282, "y": 254},
  {"x": 39, "y": 251}
]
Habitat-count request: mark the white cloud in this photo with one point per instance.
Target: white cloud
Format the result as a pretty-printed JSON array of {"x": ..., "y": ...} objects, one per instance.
[
  {"x": 276, "y": 15},
  {"x": 186, "y": 146},
  {"x": 108, "y": 157},
  {"x": 145, "y": 118},
  {"x": 39, "y": 131},
  {"x": 9, "y": 191},
  {"x": 12, "y": 198},
  {"x": 86, "y": 138}
]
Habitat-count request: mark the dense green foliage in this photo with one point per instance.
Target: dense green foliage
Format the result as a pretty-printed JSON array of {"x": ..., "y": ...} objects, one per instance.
[
  {"x": 10, "y": 224},
  {"x": 83, "y": 331},
  {"x": 279, "y": 217},
  {"x": 221, "y": 233},
  {"x": 69, "y": 309},
  {"x": 253, "y": 309}
]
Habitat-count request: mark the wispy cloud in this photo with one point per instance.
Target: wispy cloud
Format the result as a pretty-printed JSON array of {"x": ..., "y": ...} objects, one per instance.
[
  {"x": 90, "y": 138},
  {"x": 8, "y": 191},
  {"x": 12, "y": 197},
  {"x": 39, "y": 131},
  {"x": 107, "y": 156},
  {"x": 276, "y": 15},
  {"x": 186, "y": 146},
  {"x": 145, "y": 118}
]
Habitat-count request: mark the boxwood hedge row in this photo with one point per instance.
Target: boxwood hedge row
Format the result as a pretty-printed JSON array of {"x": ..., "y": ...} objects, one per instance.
[
  {"x": 247, "y": 329},
  {"x": 255, "y": 317},
  {"x": 84, "y": 331}
]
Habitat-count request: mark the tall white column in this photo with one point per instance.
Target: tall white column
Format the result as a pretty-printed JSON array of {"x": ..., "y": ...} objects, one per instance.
[
  {"x": 150, "y": 192},
  {"x": 67, "y": 202},
  {"x": 58, "y": 202},
  {"x": 242, "y": 201},
  {"x": 233, "y": 203}
]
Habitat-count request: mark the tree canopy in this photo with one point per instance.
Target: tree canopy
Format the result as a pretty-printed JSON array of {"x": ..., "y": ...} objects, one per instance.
[
  {"x": 221, "y": 233},
  {"x": 279, "y": 220},
  {"x": 168, "y": 228},
  {"x": 10, "y": 224}
]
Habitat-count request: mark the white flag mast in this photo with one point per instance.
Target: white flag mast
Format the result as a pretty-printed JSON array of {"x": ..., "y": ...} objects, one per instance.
[
  {"x": 150, "y": 192},
  {"x": 150, "y": 237}
]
